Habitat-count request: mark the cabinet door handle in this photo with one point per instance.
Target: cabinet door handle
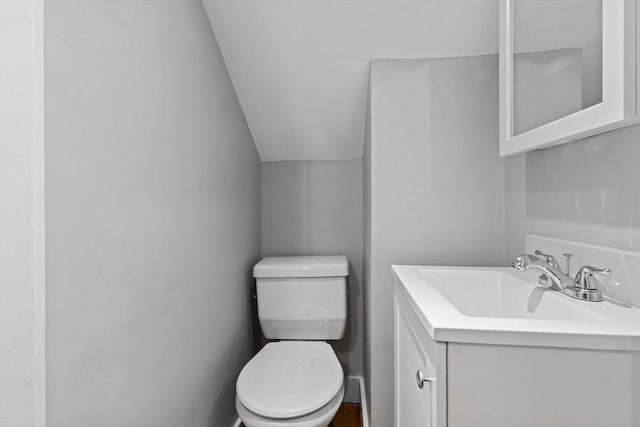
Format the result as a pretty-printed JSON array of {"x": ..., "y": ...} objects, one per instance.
[{"x": 421, "y": 379}]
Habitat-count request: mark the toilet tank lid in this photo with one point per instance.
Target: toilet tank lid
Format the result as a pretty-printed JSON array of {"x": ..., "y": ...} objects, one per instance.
[{"x": 302, "y": 266}]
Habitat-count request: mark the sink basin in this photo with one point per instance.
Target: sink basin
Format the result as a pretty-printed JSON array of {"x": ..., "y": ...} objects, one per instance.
[
  {"x": 505, "y": 306},
  {"x": 504, "y": 294}
]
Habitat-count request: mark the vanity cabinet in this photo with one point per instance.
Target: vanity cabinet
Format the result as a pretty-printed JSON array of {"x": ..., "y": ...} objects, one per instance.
[
  {"x": 568, "y": 70},
  {"x": 475, "y": 384},
  {"x": 420, "y": 380}
]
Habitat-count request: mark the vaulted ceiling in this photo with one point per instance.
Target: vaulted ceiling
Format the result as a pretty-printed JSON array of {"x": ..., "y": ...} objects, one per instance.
[{"x": 300, "y": 67}]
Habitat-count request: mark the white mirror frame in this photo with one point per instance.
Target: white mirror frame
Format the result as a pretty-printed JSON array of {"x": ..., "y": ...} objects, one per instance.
[{"x": 619, "y": 83}]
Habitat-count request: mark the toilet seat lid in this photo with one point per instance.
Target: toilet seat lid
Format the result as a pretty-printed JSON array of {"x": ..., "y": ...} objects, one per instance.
[{"x": 289, "y": 379}]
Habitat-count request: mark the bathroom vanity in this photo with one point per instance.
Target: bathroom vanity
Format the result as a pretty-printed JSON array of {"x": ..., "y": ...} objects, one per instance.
[{"x": 490, "y": 347}]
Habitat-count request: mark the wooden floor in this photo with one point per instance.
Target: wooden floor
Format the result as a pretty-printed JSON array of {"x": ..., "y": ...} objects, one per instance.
[{"x": 349, "y": 415}]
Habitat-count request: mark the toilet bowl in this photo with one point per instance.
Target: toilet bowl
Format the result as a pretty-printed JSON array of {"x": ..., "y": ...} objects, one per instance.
[{"x": 290, "y": 384}]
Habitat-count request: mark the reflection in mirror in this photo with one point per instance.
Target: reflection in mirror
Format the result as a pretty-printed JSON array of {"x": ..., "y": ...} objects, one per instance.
[{"x": 557, "y": 60}]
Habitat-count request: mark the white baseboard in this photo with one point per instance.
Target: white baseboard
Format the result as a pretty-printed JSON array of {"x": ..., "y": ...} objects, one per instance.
[
  {"x": 361, "y": 398},
  {"x": 351, "y": 390},
  {"x": 355, "y": 393},
  {"x": 363, "y": 403}
]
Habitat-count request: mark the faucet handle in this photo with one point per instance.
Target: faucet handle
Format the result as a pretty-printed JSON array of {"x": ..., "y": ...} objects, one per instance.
[
  {"x": 585, "y": 285},
  {"x": 585, "y": 279},
  {"x": 550, "y": 259}
]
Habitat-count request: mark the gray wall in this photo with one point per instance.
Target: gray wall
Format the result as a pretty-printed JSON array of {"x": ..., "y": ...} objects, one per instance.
[
  {"x": 315, "y": 207},
  {"x": 587, "y": 191},
  {"x": 21, "y": 215},
  {"x": 515, "y": 202},
  {"x": 152, "y": 222},
  {"x": 436, "y": 187}
]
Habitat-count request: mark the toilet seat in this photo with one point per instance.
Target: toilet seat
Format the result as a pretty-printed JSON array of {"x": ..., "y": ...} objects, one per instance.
[
  {"x": 290, "y": 379},
  {"x": 319, "y": 418}
]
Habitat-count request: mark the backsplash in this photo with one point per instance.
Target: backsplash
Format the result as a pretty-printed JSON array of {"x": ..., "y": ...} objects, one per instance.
[{"x": 623, "y": 284}]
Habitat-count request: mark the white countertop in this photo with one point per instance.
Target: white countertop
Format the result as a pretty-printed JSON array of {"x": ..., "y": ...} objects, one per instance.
[{"x": 504, "y": 306}]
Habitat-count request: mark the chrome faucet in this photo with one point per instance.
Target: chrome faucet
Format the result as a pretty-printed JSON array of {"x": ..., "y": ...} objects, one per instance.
[
  {"x": 558, "y": 279},
  {"x": 583, "y": 287},
  {"x": 553, "y": 262}
]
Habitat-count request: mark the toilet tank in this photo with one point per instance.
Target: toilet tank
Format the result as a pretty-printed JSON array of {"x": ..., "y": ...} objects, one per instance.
[{"x": 302, "y": 297}]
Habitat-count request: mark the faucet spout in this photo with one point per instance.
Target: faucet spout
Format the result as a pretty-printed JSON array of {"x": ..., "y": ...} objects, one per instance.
[{"x": 559, "y": 280}]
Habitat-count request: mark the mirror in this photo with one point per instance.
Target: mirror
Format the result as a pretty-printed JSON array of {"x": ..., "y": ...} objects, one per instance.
[
  {"x": 557, "y": 60},
  {"x": 567, "y": 70}
]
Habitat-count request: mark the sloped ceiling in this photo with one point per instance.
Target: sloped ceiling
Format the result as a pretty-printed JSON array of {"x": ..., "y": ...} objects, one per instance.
[{"x": 300, "y": 67}]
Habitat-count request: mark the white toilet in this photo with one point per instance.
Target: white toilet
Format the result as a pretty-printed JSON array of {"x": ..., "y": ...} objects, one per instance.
[{"x": 298, "y": 381}]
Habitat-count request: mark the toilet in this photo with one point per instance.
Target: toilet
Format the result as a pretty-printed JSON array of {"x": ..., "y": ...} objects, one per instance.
[{"x": 296, "y": 379}]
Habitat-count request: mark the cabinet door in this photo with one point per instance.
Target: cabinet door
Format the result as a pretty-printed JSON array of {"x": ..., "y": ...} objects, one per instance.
[{"x": 414, "y": 400}]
